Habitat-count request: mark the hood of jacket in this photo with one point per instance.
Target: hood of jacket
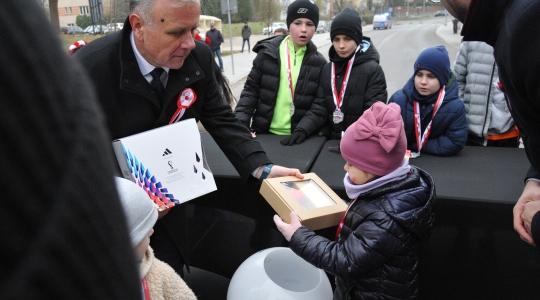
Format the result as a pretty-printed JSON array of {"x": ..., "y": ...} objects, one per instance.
[{"x": 367, "y": 53}]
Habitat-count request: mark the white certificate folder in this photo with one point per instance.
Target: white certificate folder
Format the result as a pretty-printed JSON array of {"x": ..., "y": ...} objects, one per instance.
[{"x": 168, "y": 163}]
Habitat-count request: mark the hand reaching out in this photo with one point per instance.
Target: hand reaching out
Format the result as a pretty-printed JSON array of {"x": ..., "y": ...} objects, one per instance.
[{"x": 288, "y": 229}]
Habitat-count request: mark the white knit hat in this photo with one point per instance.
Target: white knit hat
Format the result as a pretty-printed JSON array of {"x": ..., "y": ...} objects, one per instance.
[{"x": 139, "y": 209}]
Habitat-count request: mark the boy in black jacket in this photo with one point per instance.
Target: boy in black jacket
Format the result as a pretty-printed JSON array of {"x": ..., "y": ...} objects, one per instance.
[{"x": 279, "y": 94}]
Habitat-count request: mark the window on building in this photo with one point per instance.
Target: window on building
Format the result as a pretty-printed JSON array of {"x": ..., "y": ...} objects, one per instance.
[
  {"x": 68, "y": 10},
  {"x": 83, "y": 10}
]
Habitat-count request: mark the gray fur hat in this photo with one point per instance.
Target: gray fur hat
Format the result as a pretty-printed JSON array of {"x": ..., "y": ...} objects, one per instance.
[{"x": 141, "y": 215}]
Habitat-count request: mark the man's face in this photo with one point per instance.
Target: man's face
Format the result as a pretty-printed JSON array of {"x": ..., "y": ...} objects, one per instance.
[
  {"x": 168, "y": 40},
  {"x": 457, "y": 8},
  {"x": 301, "y": 31}
]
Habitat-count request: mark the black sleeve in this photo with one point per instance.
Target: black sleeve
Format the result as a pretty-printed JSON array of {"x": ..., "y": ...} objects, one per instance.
[
  {"x": 535, "y": 229},
  {"x": 63, "y": 232}
]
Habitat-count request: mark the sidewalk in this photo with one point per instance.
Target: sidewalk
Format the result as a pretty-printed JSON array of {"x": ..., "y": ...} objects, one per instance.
[{"x": 244, "y": 61}]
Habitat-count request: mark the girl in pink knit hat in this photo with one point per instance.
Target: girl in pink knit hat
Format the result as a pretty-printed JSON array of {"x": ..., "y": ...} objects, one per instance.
[{"x": 375, "y": 254}]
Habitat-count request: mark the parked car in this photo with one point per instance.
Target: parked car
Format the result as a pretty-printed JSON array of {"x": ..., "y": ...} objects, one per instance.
[
  {"x": 382, "y": 21},
  {"x": 273, "y": 27},
  {"x": 96, "y": 29},
  {"x": 322, "y": 27},
  {"x": 63, "y": 29},
  {"x": 440, "y": 13},
  {"x": 115, "y": 26},
  {"x": 75, "y": 30}
]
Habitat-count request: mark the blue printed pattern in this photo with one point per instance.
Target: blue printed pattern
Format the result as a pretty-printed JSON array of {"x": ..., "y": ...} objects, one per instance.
[{"x": 149, "y": 183}]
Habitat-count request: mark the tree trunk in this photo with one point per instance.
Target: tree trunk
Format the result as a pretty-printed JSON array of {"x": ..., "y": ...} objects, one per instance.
[{"x": 53, "y": 10}]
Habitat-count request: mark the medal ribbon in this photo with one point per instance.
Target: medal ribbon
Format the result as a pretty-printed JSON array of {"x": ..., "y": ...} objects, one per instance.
[
  {"x": 289, "y": 71},
  {"x": 339, "y": 98},
  {"x": 146, "y": 289},
  {"x": 420, "y": 142},
  {"x": 340, "y": 226}
]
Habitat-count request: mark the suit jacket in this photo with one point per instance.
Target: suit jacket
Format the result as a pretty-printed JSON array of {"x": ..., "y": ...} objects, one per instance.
[{"x": 131, "y": 106}]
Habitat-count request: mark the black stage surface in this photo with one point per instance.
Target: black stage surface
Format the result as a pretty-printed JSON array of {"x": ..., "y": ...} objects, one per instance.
[{"x": 473, "y": 253}]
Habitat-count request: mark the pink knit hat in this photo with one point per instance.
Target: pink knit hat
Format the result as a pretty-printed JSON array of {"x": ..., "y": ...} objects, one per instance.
[{"x": 376, "y": 143}]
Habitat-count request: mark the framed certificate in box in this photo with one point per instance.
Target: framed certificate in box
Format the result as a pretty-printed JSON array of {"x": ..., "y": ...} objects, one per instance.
[{"x": 316, "y": 204}]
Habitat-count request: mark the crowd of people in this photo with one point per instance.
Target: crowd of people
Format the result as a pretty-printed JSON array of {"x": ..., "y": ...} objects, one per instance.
[{"x": 291, "y": 91}]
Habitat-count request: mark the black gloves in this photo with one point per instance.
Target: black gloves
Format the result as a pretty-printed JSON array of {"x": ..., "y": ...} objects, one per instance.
[{"x": 297, "y": 137}]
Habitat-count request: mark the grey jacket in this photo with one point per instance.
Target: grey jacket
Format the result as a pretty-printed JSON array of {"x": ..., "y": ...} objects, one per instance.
[
  {"x": 246, "y": 32},
  {"x": 477, "y": 77}
]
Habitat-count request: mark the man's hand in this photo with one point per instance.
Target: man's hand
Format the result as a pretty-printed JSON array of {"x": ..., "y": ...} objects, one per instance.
[
  {"x": 279, "y": 171},
  {"x": 530, "y": 209},
  {"x": 288, "y": 229},
  {"x": 531, "y": 192}
]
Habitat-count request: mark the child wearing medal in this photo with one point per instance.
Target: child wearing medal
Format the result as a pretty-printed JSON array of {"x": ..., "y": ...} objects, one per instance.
[
  {"x": 375, "y": 254},
  {"x": 279, "y": 95},
  {"x": 353, "y": 79},
  {"x": 434, "y": 116}
]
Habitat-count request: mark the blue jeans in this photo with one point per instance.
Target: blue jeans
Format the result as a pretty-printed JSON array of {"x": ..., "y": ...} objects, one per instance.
[
  {"x": 218, "y": 54},
  {"x": 244, "y": 42}
]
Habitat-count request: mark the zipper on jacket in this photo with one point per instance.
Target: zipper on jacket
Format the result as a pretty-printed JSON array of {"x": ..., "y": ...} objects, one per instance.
[{"x": 488, "y": 102}]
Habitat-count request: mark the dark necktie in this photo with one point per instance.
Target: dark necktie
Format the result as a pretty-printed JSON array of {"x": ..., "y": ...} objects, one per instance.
[{"x": 156, "y": 82}]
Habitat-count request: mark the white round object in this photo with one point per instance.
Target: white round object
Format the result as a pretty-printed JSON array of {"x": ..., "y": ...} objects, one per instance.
[{"x": 278, "y": 273}]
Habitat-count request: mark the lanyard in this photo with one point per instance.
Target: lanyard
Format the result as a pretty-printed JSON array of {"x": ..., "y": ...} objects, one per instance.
[
  {"x": 339, "y": 98},
  {"x": 340, "y": 226},
  {"x": 146, "y": 289},
  {"x": 289, "y": 71},
  {"x": 420, "y": 142}
]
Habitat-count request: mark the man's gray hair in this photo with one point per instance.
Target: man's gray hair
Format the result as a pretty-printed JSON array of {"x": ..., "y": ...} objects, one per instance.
[{"x": 144, "y": 7}]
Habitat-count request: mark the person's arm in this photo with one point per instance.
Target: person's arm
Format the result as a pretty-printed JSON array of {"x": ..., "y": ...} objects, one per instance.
[
  {"x": 249, "y": 97},
  {"x": 220, "y": 37},
  {"x": 365, "y": 249},
  {"x": 376, "y": 87},
  {"x": 460, "y": 69},
  {"x": 454, "y": 138}
]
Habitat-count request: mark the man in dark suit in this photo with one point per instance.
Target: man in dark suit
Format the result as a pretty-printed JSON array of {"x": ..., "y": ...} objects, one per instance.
[
  {"x": 152, "y": 73},
  {"x": 511, "y": 27}
]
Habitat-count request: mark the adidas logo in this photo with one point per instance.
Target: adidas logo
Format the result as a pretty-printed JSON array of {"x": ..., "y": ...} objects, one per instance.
[
  {"x": 302, "y": 11},
  {"x": 166, "y": 152}
]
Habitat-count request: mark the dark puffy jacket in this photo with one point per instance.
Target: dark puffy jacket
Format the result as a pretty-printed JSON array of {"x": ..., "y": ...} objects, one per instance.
[
  {"x": 449, "y": 128},
  {"x": 376, "y": 256},
  {"x": 367, "y": 85},
  {"x": 258, "y": 98},
  {"x": 216, "y": 38}
]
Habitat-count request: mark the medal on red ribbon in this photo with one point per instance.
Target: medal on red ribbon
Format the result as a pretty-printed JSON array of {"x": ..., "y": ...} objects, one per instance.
[
  {"x": 338, "y": 115},
  {"x": 289, "y": 77},
  {"x": 421, "y": 139},
  {"x": 185, "y": 99}
]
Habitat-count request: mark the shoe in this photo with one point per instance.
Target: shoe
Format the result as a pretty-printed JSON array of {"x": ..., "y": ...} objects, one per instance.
[{"x": 242, "y": 51}]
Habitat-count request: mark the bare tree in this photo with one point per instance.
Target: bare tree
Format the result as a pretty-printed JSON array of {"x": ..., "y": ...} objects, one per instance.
[{"x": 267, "y": 11}]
